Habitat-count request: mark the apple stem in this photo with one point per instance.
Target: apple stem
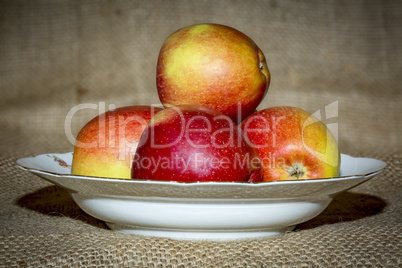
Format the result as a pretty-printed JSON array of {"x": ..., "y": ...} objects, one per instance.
[{"x": 296, "y": 171}]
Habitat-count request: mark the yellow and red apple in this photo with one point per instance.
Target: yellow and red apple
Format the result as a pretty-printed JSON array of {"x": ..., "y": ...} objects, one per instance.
[
  {"x": 105, "y": 146},
  {"x": 292, "y": 144},
  {"x": 190, "y": 143},
  {"x": 215, "y": 66}
]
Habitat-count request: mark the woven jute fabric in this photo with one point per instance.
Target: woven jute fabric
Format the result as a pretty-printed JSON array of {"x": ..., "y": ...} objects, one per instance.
[{"x": 339, "y": 59}]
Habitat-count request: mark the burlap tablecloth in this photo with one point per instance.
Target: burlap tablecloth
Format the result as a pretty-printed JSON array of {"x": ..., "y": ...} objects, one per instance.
[{"x": 55, "y": 55}]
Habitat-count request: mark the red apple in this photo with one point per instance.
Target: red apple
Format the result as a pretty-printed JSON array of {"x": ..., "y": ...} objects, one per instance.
[
  {"x": 105, "y": 146},
  {"x": 215, "y": 66},
  {"x": 292, "y": 144},
  {"x": 191, "y": 143}
]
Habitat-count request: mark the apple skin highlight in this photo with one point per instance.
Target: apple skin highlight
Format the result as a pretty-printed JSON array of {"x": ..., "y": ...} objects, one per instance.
[
  {"x": 105, "y": 146},
  {"x": 292, "y": 144},
  {"x": 215, "y": 66}
]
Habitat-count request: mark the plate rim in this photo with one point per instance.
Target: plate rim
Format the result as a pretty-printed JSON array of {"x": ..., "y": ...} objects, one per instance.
[{"x": 95, "y": 178}]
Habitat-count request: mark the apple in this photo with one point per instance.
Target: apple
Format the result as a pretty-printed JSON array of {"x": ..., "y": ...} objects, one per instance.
[
  {"x": 105, "y": 146},
  {"x": 215, "y": 66},
  {"x": 190, "y": 143},
  {"x": 292, "y": 144}
]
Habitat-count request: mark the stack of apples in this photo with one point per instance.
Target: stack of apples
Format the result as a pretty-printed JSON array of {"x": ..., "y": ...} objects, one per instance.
[{"x": 210, "y": 80}]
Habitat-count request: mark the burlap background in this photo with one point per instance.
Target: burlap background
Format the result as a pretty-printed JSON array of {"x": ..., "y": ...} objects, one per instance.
[{"x": 55, "y": 55}]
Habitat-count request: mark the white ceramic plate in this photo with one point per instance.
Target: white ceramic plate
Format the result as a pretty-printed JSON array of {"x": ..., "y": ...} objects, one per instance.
[{"x": 201, "y": 210}]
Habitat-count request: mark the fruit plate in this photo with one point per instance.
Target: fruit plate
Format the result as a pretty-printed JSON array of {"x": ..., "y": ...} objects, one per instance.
[{"x": 201, "y": 210}]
